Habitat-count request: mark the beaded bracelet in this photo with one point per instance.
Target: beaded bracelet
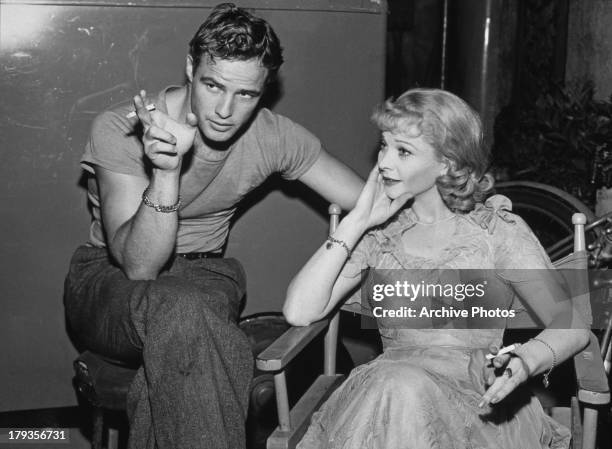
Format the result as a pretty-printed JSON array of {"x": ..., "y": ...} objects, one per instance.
[
  {"x": 545, "y": 380},
  {"x": 331, "y": 240},
  {"x": 159, "y": 207}
]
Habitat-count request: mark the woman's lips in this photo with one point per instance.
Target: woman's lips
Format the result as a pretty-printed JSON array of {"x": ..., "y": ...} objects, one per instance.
[{"x": 389, "y": 181}]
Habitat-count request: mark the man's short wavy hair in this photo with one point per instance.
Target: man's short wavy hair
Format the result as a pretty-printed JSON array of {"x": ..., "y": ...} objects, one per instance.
[
  {"x": 233, "y": 33},
  {"x": 454, "y": 129}
]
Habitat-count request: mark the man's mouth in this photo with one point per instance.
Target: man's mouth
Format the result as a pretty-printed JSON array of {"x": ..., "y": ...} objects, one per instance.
[{"x": 219, "y": 126}]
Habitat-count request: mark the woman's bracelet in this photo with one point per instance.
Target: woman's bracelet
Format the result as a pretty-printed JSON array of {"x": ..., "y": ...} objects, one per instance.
[
  {"x": 545, "y": 380},
  {"x": 159, "y": 207},
  {"x": 331, "y": 241}
]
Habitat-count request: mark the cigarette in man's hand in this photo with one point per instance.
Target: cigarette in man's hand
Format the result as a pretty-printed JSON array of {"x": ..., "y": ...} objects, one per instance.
[
  {"x": 149, "y": 107},
  {"x": 504, "y": 350}
]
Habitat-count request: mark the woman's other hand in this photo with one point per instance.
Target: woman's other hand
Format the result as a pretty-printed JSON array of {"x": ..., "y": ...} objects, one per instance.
[
  {"x": 502, "y": 375},
  {"x": 373, "y": 206}
]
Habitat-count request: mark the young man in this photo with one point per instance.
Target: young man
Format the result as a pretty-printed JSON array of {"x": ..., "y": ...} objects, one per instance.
[{"x": 150, "y": 285}]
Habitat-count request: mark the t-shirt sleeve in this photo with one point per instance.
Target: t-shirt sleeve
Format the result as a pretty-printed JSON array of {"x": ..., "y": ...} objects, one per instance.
[
  {"x": 114, "y": 144},
  {"x": 297, "y": 151}
]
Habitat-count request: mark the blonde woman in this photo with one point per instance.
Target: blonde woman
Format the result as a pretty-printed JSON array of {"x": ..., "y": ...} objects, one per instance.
[{"x": 425, "y": 207}]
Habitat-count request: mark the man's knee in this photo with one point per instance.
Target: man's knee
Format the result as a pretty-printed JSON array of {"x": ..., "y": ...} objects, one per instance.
[
  {"x": 173, "y": 299},
  {"x": 179, "y": 306}
]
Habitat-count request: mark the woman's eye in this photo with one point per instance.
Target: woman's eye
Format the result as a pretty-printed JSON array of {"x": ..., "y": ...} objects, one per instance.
[{"x": 403, "y": 152}]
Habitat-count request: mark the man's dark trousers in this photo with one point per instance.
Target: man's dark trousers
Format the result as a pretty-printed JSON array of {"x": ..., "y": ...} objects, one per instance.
[{"x": 192, "y": 388}]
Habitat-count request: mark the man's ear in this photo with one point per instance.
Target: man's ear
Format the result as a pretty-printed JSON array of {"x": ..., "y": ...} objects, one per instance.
[{"x": 189, "y": 68}]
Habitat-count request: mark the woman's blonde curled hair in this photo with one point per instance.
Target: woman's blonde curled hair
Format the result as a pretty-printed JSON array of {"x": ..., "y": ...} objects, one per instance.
[{"x": 454, "y": 129}]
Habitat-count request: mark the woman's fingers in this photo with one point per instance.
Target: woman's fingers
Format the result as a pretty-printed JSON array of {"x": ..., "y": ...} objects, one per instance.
[
  {"x": 501, "y": 360},
  {"x": 399, "y": 202},
  {"x": 511, "y": 377},
  {"x": 374, "y": 174}
]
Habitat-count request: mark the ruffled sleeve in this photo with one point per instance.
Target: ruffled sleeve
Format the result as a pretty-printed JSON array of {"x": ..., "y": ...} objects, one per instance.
[
  {"x": 514, "y": 243},
  {"x": 522, "y": 262}
]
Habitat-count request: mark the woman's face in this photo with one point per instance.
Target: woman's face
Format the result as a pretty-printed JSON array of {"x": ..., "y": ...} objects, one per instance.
[{"x": 408, "y": 164}]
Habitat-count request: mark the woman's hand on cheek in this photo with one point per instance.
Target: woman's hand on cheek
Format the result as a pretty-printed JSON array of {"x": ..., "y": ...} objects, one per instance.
[{"x": 373, "y": 205}]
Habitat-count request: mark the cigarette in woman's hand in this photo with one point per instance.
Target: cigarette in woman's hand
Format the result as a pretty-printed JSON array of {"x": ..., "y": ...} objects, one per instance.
[
  {"x": 504, "y": 350},
  {"x": 149, "y": 107}
]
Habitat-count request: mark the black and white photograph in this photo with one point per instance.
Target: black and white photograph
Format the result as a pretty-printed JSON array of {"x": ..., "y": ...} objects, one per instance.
[{"x": 306, "y": 224}]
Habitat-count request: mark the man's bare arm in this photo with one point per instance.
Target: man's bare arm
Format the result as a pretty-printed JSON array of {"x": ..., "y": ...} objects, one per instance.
[
  {"x": 140, "y": 237},
  {"x": 334, "y": 181}
]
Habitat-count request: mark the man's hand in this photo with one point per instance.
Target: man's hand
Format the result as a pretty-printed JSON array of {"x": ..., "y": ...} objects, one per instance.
[{"x": 165, "y": 140}]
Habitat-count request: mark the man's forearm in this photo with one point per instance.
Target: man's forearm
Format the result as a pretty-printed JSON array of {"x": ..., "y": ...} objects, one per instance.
[{"x": 144, "y": 243}]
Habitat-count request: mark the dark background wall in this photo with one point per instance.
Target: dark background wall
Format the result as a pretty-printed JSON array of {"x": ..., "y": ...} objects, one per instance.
[
  {"x": 590, "y": 44},
  {"x": 61, "y": 63}
]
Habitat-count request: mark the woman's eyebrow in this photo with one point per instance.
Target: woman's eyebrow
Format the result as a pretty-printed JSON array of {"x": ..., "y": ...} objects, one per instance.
[{"x": 405, "y": 142}]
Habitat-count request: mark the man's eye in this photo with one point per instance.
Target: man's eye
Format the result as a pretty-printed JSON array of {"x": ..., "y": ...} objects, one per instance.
[
  {"x": 383, "y": 145},
  {"x": 246, "y": 95},
  {"x": 212, "y": 86}
]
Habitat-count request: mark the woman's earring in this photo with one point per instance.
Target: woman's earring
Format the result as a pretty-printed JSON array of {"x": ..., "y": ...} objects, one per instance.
[{"x": 445, "y": 168}]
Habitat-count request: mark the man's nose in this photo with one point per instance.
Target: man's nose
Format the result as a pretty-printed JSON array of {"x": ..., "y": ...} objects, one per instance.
[{"x": 225, "y": 106}]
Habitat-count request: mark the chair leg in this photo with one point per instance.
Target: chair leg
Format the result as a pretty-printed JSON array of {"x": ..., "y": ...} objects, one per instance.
[
  {"x": 113, "y": 438},
  {"x": 98, "y": 426},
  {"x": 589, "y": 428}
]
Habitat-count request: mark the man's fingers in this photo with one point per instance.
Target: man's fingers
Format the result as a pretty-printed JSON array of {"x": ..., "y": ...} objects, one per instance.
[
  {"x": 191, "y": 119},
  {"x": 161, "y": 148},
  {"x": 140, "y": 103},
  {"x": 157, "y": 133}
]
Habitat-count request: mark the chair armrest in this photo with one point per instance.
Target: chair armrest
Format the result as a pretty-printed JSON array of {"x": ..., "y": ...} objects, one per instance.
[
  {"x": 276, "y": 356},
  {"x": 590, "y": 375}
]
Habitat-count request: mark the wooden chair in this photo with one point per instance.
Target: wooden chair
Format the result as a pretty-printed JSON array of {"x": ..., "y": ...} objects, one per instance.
[
  {"x": 103, "y": 383},
  {"x": 592, "y": 388}
]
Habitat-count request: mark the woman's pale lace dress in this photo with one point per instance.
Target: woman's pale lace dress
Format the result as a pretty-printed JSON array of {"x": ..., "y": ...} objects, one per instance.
[{"x": 423, "y": 391}]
